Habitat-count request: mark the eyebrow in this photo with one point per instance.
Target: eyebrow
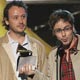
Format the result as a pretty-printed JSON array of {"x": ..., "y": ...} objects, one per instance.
[{"x": 64, "y": 27}]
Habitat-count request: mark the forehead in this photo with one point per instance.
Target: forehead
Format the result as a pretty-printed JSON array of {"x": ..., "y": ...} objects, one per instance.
[
  {"x": 61, "y": 24},
  {"x": 15, "y": 10}
]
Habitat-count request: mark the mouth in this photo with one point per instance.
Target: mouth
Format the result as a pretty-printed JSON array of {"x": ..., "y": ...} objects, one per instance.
[
  {"x": 64, "y": 40},
  {"x": 21, "y": 26}
]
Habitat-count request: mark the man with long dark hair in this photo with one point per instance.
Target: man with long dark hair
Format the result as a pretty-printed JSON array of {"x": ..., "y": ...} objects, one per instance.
[{"x": 64, "y": 63}]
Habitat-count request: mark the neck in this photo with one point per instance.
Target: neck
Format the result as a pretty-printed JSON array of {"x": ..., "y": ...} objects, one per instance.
[{"x": 17, "y": 36}]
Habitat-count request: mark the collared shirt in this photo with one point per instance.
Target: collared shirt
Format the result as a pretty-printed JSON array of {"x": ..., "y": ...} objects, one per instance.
[
  {"x": 67, "y": 71},
  {"x": 14, "y": 45}
]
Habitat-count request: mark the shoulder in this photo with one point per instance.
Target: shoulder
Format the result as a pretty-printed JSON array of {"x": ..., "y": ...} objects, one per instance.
[
  {"x": 37, "y": 44},
  {"x": 53, "y": 52},
  {"x": 78, "y": 46},
  {"x": 4, "y": 39},
  {"x": 35, "y": 41},
  {"x": 1, "y": 39},
  {"x": 78, "y": 36}
]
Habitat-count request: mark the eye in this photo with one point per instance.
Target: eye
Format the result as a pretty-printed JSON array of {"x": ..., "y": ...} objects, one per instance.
[
  {"x": 67, "y": 28},
  {"x": 23, "y": 16},
  {"x": 57, "y": 30},
  {"x": 15, "y": 17}
]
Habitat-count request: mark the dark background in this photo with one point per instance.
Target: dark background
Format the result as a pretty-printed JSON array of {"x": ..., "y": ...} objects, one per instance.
[{"x": 38, "y": 15}]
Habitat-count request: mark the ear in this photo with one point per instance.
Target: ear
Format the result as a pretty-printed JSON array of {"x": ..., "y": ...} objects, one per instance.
[{"x": 6, "y": 21}]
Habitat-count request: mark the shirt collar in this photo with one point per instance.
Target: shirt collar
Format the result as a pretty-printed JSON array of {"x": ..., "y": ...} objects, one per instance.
[
  {"x": 11, "y": 41},
  {"x": 15, "y": 41},
  {"x": 26, "y": 41},
  {"x": 73, "y": 46}
]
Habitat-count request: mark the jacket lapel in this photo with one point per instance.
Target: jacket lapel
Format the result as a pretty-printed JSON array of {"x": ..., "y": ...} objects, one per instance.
[
  {"x": 34, "y": 48},
  {"x": 8, "y": 50}
]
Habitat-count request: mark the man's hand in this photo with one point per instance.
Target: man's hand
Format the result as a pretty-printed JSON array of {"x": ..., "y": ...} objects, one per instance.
[{"x": 27, "y": 69}]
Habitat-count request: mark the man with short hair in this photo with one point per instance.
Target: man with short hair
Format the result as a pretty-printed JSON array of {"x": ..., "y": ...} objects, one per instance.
[{"x": 15, "y": 21}]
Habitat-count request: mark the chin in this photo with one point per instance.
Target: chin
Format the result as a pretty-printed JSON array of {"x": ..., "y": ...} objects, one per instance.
[{"x": 66, "y": 43}]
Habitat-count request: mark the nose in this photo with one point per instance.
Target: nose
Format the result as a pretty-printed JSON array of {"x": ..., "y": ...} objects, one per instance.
[
  {"x": 20, "y": 20},
  {"x": 63, "y": 33}
]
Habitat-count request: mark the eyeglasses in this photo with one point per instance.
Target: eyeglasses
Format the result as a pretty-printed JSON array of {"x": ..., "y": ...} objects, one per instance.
[{"x": 66, "y": 29}]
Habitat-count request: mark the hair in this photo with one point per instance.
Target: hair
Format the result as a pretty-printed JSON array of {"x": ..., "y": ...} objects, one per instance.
[
  {"x": 8, "y": 6},
  {"x": 60, "y": 14}
]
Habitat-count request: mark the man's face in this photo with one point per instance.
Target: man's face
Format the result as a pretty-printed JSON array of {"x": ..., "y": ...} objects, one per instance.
[
  {"x": 17, "y": 19},
  {"x": 63, "y": 30}
]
